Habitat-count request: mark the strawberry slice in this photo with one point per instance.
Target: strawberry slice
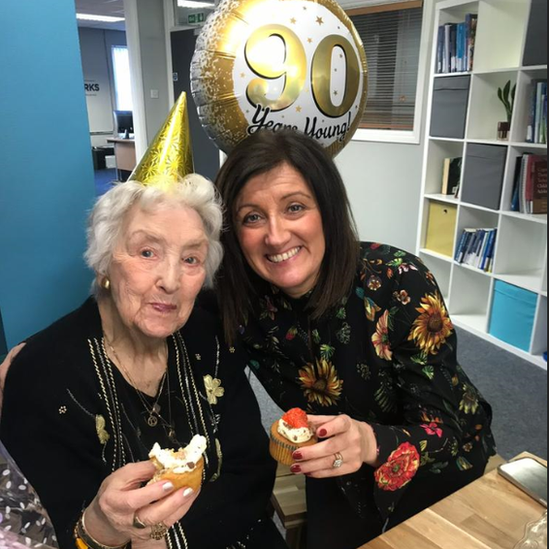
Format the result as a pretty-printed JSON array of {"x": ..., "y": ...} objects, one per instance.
[{"x": 296, "y": 418}]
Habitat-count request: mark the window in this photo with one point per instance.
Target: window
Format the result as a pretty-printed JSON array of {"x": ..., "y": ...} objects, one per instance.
[
  {"x": 391, "y": 34},
  {"x": 122, "y": 82}
]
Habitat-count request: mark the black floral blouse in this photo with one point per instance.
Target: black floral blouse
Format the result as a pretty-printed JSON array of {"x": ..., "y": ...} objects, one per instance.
[{"x": 386, "y": 356}]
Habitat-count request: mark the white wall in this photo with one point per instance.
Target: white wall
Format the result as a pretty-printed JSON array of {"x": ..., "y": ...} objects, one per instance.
[
  {"x": 383, "y": 182},
  {"x": 95, "y": 49},
  {"x": 152, "y": 38}
]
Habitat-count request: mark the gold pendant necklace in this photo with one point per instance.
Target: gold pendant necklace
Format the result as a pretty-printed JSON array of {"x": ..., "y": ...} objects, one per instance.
[{"x": 155, "y": 409}]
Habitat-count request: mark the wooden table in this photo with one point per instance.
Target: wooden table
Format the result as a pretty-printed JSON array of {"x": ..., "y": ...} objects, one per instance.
[
  {"x": 290, "y": 505},
  {"x": 490, "y": 513},
  {"x": 124, "y": 150}
]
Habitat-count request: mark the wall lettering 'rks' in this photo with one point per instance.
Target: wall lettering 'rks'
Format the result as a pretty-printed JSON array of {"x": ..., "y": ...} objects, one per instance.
[{"x": 92, "y": 87}]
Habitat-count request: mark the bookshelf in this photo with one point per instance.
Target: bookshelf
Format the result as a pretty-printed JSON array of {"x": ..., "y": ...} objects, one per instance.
[{"x": 476, "y": 298}]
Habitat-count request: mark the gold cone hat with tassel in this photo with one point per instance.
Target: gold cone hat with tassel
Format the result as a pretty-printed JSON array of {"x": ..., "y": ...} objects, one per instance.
[{"x": 169, "y": 157}]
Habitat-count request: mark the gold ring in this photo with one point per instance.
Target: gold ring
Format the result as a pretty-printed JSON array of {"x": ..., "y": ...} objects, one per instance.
[
  {"x": 159, "y": 531},
  {"x": 138, "y": 523},
  {"x": 338, "y": 461}
]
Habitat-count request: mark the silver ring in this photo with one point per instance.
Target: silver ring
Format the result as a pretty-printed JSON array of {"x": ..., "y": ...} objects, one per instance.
[
  {"x": 338, "y": 461},
  {"x": 159, "y": 531},
  {"x": 138, "y": 523}
]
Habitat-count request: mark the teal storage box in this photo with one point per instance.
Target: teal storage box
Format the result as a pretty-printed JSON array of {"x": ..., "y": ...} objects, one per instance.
[{"x": 513, "y": 315}]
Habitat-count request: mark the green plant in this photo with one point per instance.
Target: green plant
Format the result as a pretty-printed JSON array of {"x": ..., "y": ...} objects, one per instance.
[{"x": 507, "y": 97}]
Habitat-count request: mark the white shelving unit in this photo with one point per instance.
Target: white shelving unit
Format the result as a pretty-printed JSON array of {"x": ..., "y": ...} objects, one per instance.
[{"x": 521, "y": 249}]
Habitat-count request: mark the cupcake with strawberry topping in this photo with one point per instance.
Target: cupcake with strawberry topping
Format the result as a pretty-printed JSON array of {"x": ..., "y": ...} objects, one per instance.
[{"x": 289, "y": 434}]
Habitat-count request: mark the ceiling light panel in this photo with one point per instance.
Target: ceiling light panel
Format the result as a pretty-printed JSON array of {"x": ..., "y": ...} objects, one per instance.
[
  {"x": 98, "y": 18},
  {"x": 192, "y": 5}
]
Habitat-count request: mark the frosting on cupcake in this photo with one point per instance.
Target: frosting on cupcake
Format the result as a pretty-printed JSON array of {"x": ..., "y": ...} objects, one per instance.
[
  {"x": 182, "y": 461},
  {"x": 294, "y": 426}
]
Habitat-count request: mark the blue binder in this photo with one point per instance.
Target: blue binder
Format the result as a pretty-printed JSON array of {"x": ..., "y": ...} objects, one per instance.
[{"x": 513, "y": 315}]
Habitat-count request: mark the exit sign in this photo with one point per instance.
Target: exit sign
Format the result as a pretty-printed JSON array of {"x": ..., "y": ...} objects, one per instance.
[{"x": 196, "y": 18}]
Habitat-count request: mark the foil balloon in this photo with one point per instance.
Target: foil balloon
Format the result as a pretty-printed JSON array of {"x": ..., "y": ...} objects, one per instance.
[{"x": 272, "y": 64}]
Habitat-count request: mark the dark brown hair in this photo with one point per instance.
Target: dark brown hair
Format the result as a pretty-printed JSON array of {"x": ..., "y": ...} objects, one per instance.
[{"x": 258, "y": 154}]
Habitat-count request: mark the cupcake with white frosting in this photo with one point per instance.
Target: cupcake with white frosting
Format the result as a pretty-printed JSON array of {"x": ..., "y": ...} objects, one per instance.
[
  {"x": 184, "y": 467},
  {"x": 289, "y": 434}
]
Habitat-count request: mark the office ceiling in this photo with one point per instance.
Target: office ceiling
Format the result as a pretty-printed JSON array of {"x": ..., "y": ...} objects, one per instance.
[{"x": 113, "y": 8}]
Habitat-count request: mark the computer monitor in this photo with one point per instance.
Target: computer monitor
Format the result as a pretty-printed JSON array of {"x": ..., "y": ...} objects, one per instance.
[{"x": 123, "y": 123}]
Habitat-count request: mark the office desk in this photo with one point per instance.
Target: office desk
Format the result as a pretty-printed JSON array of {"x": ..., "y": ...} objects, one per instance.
[
  {"x": 490, "y": 513},
  {"x": 124, "y": 151}
]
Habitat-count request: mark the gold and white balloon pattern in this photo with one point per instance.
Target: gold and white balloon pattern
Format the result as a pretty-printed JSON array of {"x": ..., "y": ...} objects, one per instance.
[{"x": 273, "y": 64}]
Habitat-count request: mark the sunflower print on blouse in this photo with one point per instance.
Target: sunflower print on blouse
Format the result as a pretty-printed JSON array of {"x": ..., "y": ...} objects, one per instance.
[
  {"x": 320, "y": 383},
  {"x": 433, "y": 327}
]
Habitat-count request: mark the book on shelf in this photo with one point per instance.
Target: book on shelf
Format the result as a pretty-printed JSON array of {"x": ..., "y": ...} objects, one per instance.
[
  {"x": 539, "y": 185},
  {"x": 515, "y": 198},
  {"x": 462, "y": 245},
  {"x": 527, "y": 185},
  {"x": 447, "y": 50},
  {"x": 473, "y": 248},
  {"x": 488, "y": 258},
  {"x": 476, "y": 248},
  {"x": 451, "y": 175},
  {"x": 440, "y": 50},
  {"x": 458, "y": 190},
  {"x": 537, "y": 121},
  {"x": 530, "y": 185},
  {"x": 471, "y": 20},
  {"x": 460, "y": 48},
  {"x": 455, "y": 46}
]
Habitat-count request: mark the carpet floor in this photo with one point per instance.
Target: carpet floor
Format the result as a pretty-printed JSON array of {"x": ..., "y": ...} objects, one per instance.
[{"x": 103, "y": 181}]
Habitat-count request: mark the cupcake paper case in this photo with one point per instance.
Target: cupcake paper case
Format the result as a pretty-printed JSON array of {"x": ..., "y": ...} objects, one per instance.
[
  {"x": 294, "y": 424},
  {"x": 191, "y": 479}
]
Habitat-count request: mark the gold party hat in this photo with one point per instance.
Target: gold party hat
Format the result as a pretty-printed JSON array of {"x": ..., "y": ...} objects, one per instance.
[{"x": 170, "y": 155}]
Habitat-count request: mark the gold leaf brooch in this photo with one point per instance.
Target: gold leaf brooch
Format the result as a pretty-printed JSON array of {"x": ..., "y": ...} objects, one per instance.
[{"x": 102, "y": 434}]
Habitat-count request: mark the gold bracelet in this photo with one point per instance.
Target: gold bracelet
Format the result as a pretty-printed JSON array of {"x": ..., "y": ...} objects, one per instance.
[{"x": 84, "y": 541}]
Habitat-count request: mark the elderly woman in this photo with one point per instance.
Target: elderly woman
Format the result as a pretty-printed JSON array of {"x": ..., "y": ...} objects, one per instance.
[
  {"x": 87, "y": 398},
  {"x": 356, "y": 334}
]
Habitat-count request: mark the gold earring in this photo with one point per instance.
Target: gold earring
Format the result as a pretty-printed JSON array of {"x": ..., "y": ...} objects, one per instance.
[{"x": 106, "y": 284}]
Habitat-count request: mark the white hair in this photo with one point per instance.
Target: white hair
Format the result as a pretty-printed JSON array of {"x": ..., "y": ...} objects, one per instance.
[{"x": 108, "y": 214}]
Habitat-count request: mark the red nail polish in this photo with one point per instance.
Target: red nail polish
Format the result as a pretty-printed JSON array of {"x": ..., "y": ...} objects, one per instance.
[
  {"x": 322, "y": 433},
  {"x": 298, "y": 456},
  {"x": 295, "y": 469}
]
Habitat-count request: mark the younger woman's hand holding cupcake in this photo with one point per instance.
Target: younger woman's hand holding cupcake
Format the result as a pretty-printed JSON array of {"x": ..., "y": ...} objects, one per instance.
[{"x": 345, "y": 446}]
